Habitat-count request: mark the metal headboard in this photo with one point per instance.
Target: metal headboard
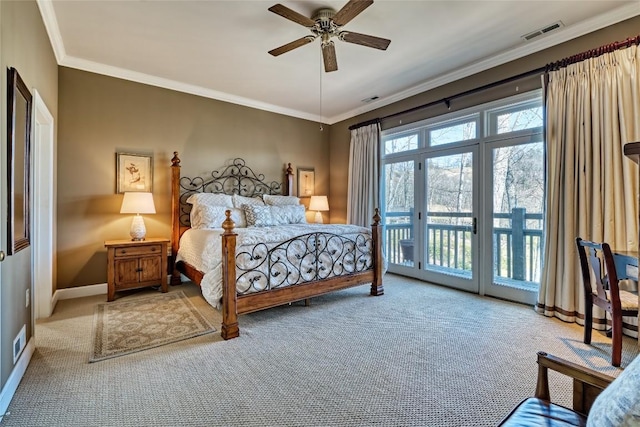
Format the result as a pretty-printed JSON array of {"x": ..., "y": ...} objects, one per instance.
[{"x": 234, "y": 178}]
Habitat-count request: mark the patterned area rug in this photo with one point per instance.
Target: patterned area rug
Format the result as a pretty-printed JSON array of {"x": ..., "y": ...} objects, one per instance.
[{"x": 138, "y": 324}]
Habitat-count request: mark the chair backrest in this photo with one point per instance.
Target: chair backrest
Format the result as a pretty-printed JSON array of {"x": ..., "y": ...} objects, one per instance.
[{"x": 592, "y": 257}]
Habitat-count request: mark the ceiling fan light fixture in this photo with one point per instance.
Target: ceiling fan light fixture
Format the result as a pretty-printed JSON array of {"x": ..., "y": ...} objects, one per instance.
[
  {"x": 323, "y": 18},
  {"x": 326, "y": 23}
]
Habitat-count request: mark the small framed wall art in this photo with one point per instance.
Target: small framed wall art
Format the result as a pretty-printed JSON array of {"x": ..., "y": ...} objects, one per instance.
[
  {"x": 134, "y": 172},
  {"x": 306, "y": 182}
]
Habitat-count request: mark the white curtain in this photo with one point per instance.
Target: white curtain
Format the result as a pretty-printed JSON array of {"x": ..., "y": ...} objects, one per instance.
[
  {"x": 592, "y": 110},
  {"x": 364, "y": 175}
]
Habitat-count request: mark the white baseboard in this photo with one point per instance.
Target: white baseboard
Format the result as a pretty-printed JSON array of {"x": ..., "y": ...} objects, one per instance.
[
  {"x": 83, "y": 291},
  {"x": 13, "y": 381},
  {"x": 79, "y": 292}
]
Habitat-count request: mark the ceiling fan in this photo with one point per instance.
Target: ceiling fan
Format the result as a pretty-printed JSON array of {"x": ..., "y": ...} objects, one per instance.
[{"x": 326, "y": 23}]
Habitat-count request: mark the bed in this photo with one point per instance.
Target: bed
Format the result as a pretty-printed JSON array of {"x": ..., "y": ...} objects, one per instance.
[{"x": 249, "y": 263}]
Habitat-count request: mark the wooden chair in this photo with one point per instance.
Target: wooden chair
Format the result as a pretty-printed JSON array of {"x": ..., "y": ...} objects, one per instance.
[
  {"x": 606, "y": 295},
  {"x": 540, "y": 411}
]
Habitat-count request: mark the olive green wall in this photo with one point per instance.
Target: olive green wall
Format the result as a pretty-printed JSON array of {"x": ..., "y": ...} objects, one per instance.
[
  {"x": 340, "y": 134},
  {"x": 100, "y": 116},
  {"x": 24, "y": 45}
]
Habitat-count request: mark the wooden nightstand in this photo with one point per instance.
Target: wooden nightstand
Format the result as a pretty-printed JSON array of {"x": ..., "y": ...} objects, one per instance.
[{"x": 136, "y": 264}]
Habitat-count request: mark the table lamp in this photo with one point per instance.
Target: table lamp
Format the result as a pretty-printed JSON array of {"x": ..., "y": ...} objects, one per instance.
[
  {"x": 318, "y": 203},
  {"x": 137, "y": 203}
]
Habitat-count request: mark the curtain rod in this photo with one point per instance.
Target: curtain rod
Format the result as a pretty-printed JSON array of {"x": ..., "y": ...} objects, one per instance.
[
  {"x": 593, "y": 53},
  {"x": 448, "y": 99}
]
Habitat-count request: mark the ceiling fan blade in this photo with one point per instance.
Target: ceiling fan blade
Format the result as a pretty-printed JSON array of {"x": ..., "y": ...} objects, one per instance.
[
  {"x": 329, "y": 57},
  {"x": 290, "y": 46},
  {"x": 365, "y": 40},
  {"x": 350, "y": 10},
  {"x": 292, "y": 15}
]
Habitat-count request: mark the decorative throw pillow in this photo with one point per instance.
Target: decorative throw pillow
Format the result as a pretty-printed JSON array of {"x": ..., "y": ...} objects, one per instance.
[
  {"x": 258, "y": 216},
  {"x": 211, "y": 199},
  {"x": 274, "y": 200},
  {"x": 289, "y": 214},
  {"x": 619, "y": 404},
  {"x": 213, "y": 217},
  {"x": 238, "y": 201}
]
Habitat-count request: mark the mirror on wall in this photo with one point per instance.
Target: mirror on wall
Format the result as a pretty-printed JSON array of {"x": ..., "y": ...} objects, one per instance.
[{"x": 19, "y": 162}]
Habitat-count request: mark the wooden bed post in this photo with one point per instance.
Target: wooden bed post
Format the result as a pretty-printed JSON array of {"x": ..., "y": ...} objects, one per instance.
[
  {"x": 175, "y": 217},
  {"x": 376, "y": 234},
  {"x": 230, "y": 327}
]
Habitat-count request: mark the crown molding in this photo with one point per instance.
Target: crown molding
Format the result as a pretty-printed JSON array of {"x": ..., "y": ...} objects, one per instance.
[
  {"x": 552, "y": 39},
  {"x": 121, "y": 73},
  {"x": 565, "y": 34},
  {"x": 53, "y": 29}
]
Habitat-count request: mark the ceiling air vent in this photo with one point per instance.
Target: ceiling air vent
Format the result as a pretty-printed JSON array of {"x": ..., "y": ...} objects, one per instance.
[
  {"x": 543, "y": 30},
  {"x": 373, "y": 98}
]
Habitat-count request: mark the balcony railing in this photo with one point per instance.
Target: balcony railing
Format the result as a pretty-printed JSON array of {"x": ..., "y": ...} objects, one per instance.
[{"x": 517, "y": 242}]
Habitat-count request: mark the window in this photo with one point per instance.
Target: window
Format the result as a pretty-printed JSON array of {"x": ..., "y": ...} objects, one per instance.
[
  {"x": 460, "y": 130},
  {"x": 400, "y": 143}
]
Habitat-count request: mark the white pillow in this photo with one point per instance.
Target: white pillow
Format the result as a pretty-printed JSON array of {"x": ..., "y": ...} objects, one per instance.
[
  {"x": 274, "y": 200},
  {"x": 238, "y": 201},
  {"x": 213, "y": 216},
  {"x": 288, "y": 214},
  {"x": 211, "y": 199},
  {"x": 264, "y": 216},
  {"x": 619, "y": 404}
]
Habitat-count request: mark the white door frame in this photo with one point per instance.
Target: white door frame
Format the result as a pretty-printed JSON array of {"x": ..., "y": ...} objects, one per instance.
[{"x": 43, "y": 207}]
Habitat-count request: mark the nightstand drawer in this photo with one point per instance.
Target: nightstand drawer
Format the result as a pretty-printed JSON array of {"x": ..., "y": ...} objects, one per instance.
[{"x": 138, "y": 250}]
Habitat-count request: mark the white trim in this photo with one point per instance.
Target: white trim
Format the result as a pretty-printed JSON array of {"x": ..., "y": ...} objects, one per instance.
[
  {"x": 79, "y": 292},
  {"x": 84, "y": 291},
  {"x": 551, "y": 39},
  {"x": 554, "y": 38},
  {"x": 43, "y": 207},
  {"x": 134, "y": 76},
  {"x": 16, "y": 375},
  {"x": 53, "y": 30}
]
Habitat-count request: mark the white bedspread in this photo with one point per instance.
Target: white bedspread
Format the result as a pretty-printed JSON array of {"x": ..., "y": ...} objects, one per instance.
[{"x": 202, "y": 249}]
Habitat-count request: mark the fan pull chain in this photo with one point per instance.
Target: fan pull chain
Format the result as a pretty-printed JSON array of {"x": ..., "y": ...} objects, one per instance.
[{"x": 321, "y": 128}]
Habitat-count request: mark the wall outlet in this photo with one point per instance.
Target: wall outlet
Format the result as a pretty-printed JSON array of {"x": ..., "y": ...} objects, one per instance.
[
  {"x": 28, "y": 298},
  {"x": 19, "y": 343}
]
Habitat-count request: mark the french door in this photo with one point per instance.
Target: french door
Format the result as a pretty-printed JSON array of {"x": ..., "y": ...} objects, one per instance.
[
  {"x": 431, "y": 228},
  {"x": 463, "y": 199},
  {"x": 515, "y": 184},
  {"x": 449, "y": 231}
]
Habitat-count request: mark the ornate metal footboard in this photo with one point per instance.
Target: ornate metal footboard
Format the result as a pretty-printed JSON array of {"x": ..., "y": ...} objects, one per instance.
[
  {"x": 302, "y": 259},
  {"x": 311, "y": 263}
]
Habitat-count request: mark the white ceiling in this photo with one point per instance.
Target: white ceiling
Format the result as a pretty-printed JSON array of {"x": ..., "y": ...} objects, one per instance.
[{"x": 218, "y": 49}]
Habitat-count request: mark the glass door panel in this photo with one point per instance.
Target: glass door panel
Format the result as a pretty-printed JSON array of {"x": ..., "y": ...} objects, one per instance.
[
  {"x": 518, "y": 220},
  {"x": 398, "y": 214},
  {"x": 450, "y": 235}
]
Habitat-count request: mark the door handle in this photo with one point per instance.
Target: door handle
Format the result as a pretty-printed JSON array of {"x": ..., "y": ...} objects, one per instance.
[
  {"x": 474, "y": 227},
  {"x": 2, "y": 256}
]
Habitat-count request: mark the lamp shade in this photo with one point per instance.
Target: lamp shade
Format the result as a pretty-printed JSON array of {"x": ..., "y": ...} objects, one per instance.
[
  {"x": 319, "y": 203},
  {"x": 137, "y": 203}
]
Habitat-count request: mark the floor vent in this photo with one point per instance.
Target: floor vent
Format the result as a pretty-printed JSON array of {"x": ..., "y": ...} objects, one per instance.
[
  {"x": 543, "y": 30},
  {"x": 19, "y": 342}
]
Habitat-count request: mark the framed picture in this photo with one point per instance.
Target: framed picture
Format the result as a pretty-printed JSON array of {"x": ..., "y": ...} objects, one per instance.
[
  {"x": 19, "y": 162},
  {"x": 134, "y": 172},
  {"x": 306, "y": 182}
]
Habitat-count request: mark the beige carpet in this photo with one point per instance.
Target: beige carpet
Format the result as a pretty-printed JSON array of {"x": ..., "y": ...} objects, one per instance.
[
  {"x": 136, "y": 324},
  {"x": 420, "y": 355}
]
